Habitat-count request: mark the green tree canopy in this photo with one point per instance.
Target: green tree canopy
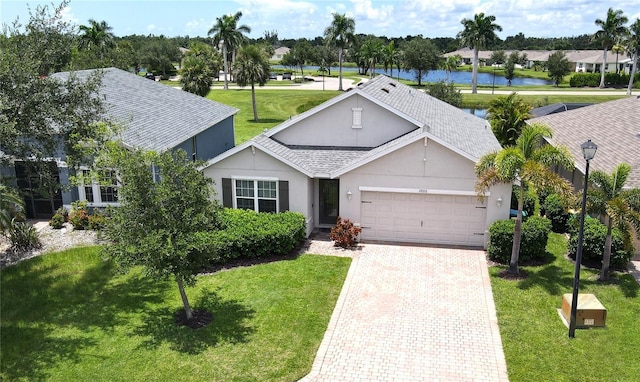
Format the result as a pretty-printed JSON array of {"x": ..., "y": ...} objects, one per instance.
[
  {"x": 510, "y": 67},
  {"x": 633, "y": 48},
  {"x": 340, "y": 34},
  {"x": 445, "y": 91},
  {"x": 230, "y": 35},
  {"x": 165, "y": 205},
  {"x": 477, "y": 34},
  {"x": 252, "y": 67},
  {"x": 420, "y": 55},
  {"x": 199, "y": 66},
  {"x": 558, "y": 66},
  {"x": 528, "y": 162},
  {"x": 508, "y": 116},
  {"x": 611, "y": 28}
]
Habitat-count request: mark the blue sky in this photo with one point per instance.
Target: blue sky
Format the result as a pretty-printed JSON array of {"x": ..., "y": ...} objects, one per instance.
[{"x": 295, "y": 19}]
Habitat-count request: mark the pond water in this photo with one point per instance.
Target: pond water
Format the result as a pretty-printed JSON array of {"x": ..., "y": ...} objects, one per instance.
[
  {"x": 438, "y": 75},
  {"x": 482, "y": 113}
]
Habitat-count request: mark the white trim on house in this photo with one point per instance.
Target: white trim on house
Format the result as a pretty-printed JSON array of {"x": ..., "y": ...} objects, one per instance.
[
  {"x": 421, "y": 191},
  {"x": 256, "y": 198}
]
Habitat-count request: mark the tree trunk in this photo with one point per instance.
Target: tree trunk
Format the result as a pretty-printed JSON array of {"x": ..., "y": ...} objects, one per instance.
[
  {"x": 340, "y": 70},
  {"x": 474, "y": 74},
  {"x": 226, "y": 65},
  {"x": 253, "y": 103},
  {"x": 185, "y": 301},
  {"x": 517, "y": 235},
  {"x": 606, "y": 259},
  {"x": 634, "y": 64},
  {"x": 604, "y": 64}
]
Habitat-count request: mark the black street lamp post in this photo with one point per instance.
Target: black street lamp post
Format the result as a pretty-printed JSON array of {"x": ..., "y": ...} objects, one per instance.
[{"x": 589, "y": 151}]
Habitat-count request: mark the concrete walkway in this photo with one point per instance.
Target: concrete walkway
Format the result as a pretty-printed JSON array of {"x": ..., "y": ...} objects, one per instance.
[{"x": 411, "y": 313}]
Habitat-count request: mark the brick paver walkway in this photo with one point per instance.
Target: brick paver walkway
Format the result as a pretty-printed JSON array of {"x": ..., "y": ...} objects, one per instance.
[{"x": 410, "y": 313}]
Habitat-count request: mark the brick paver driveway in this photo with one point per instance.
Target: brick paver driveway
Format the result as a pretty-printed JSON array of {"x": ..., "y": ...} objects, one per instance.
[{"x": 411, "y": 313}]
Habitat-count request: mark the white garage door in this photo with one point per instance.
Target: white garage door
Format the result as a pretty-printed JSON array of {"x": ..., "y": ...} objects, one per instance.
[{"x": 423, "y": 218}]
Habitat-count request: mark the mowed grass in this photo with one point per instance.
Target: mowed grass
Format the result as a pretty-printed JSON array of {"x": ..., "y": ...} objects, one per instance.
[
  {"x": 274, "y": 107},
  {"x": 535, "y": 341},
  {"x": 69, "y": 316},
  {"x": 482, "y": 101}
]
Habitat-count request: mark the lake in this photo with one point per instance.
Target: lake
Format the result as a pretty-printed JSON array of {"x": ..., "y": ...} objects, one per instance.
[{"x": 439, "y": 75}]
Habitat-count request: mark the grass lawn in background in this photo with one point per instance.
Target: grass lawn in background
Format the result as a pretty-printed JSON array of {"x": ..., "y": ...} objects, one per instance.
[
  {"x": 274, "y": 107},
  {"x": 481, "y": 101},
  {"x": 69, "y": 316},
  {"x": 535, "y": 341}
]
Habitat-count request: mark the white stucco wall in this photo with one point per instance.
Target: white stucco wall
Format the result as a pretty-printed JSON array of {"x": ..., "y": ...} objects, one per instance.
[
  {"x": 333, "y": 126},
  {"x": 250, "y": 165}
]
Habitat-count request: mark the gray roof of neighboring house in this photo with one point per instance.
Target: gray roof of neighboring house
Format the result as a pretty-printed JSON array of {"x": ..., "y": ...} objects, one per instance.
[
  {"x": 460, "y": 131},
  {"x": 156, "y": 117},
  {"x": 614, "y": 126},
  {"x": 456, "y": 127}
]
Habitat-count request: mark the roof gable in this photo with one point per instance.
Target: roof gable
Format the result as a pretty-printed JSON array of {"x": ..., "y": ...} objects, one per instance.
[{"x": 157, "y": 117}]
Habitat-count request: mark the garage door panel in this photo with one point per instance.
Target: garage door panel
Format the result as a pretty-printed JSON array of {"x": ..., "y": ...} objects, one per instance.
[{"x": 427, "y": 218}]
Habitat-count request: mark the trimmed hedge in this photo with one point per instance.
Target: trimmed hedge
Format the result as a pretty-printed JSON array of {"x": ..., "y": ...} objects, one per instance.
[
  {"x": 611, "y": 79},
  {"x": 533, "y": 244},
  {"x": 555, "y": 210},
  {"x": 250, "y": 234},
  {"x": 595, "y": 234}
]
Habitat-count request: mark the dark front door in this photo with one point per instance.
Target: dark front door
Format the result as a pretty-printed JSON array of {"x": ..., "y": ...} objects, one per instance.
[
  {"x": 39, "y": 184},
  {"x": 329, "y": 200}
]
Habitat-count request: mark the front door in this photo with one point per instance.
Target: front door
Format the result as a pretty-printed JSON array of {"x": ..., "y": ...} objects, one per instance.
[{"x": 329, "y": 200}]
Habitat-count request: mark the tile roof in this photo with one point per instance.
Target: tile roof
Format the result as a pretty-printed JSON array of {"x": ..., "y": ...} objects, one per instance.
[
  {"x": 157, "y": 117},
  {"x": 614, "y": 126}
]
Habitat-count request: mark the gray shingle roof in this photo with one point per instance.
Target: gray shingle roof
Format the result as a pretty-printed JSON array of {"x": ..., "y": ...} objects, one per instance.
[
  {"x": 614, "y": 126},
  {"x": 156, "y": 117},
  {"x": 460, "y": 129}
]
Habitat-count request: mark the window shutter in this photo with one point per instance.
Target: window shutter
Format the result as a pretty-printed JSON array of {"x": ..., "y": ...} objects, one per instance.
[
  {"x": 227, "y": 193},
  {"x": 283, "y": 195}
]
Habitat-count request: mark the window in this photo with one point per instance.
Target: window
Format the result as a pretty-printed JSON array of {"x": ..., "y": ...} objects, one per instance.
[
  {"x": 357, "y": 118},
  {"x": 257, "y": 195},
  {"x": 96, "y": 193}
]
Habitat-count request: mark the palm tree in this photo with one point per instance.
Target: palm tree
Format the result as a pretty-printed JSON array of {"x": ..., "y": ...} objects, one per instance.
[
  {"x": 10, "y": 205},
  {"x": 633, "y": 47},
  {"x": 478, "y": 33},
  {"x": 528, "y": 162},
  {"x": 618, "y": 205},
  {"x": 196, "y": 75},
  {"x": 610, "y": 29},
  {"x": 372, "y": 51},
  {"x": 340, "y": 34},
  {"x": 97, "y": 36},
  {"x": 389, "y": 56},
  {"x": 252, "y": 67},
  {"x": 450, "y": 64},
  {"x": 227, "y": 33},
  {"x": 507, "y": 116}
]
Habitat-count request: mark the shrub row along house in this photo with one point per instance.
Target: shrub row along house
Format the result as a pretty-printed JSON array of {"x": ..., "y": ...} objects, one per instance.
[
  {"x": 154, "y": 116},
  {"x": 390, "y": 158}
]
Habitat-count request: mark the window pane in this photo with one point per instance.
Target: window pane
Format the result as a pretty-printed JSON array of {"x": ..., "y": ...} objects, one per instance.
[
  {"x": 244, "y": 188},
  {"x": 265, "y": 205},
  {"x": 108, "y": 194},
  {"x": 246, "y": 204},
  {"x": 88, "y": 193},
  {"x": 266, "y": 189}
]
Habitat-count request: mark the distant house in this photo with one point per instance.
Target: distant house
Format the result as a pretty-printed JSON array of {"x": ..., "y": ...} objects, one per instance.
[
  {"x": 613, "y": 126},
  {"x": 155, "y": 117},
  {"x": 279, "y": 53},
  {"x": 392, "y": 159},
  {"x": 588, "y": 61}
]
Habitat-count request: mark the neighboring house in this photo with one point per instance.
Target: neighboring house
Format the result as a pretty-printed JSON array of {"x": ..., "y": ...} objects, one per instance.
[
  {"x": 279, "y": 53},
  {"x": 579, "y": 60},
  {"x": 155, "y": 117},
  {"x": 390, "y": 158},
  {"x": 614, "y": 126}
]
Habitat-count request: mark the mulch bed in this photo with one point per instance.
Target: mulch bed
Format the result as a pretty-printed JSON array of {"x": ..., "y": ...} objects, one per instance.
[{"x": 199, "y": 319}]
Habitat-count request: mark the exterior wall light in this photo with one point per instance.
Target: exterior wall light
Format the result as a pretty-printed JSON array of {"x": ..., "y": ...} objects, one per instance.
[
  {"x": 349, "y": 194},
  {"x": 499, "y": 201}
]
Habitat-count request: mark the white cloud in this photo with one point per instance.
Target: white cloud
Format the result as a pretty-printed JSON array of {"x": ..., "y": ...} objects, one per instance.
[
  {"x": 151, "y": 28},
  {"x": 67, "y": 16}
]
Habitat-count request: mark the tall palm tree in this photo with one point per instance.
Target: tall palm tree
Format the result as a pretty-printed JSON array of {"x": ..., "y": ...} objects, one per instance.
[
  {"x": 340, "y": 34},
  {"x": 97, "y": 36},
  {"x": 389, "y": 56},
  {"x": 507, "y": 116},
  {"x": 528, "y": 162},
  {"x": 252, "y": 67},
  {"x": 610, "y": 29},
  {"x": 619, "y": 206},
  {"x": 372, "y": 51},
  {"x": 633, "y": 48},
  {"x": 227, "y": 32},
  {"x": 10, "y": 205},
  {"x": 450, "y": 64},
  {"x": 478, "y": 33}
]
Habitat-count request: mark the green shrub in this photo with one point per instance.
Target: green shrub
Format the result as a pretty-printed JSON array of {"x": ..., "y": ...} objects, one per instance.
[
  {"x": 610, "y": 79},
  {"x": 23, "y": 236},
  {"x": 555, "y": 210},
  {"x": 57, "y": 221},
  {"x": 533, "y": 243},
  {"x": 250, "y": 234},
  {"x": 594, "y": 236},
  {"x": 344, "y": 233},
  {"x": 95, "y": 222},
  {"x": 79, "y": 217}
]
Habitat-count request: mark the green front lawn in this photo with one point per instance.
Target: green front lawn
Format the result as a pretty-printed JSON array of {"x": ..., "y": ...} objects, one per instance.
[
  {"x": 69, "y": 316},
  {"x": 535, "y": 341},
  {"x": 274, "y": 107}
]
